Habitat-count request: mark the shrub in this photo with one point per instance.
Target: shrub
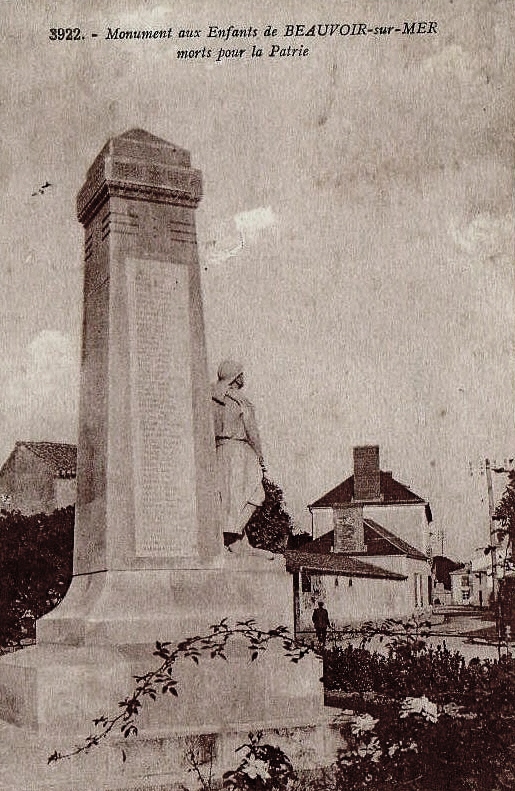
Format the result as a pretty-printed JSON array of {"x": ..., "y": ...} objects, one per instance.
[
  {"x": 434, "y": 722},
  {"x": 263, "y": 767},
  {"x": 415, "y": 743},
  {"x": 36, "y": 564},
  {"x": 402, "y": 671}
]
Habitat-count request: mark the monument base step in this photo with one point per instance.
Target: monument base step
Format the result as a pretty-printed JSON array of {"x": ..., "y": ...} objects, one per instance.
[
  {"x": 142, "y": 606},
  {"x": 103, "y": 634},
  {"x": 156, "y": 762},
  {"x": 64, "y": 689}
]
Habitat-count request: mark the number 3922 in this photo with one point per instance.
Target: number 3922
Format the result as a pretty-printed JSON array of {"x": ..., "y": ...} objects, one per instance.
[{"x": 65, "y": 34}]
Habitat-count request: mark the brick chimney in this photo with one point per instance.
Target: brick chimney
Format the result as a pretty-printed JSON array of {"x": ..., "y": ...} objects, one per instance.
[
  {"x": 348, "y": 529},
  {"x": 367, "y": 476}
]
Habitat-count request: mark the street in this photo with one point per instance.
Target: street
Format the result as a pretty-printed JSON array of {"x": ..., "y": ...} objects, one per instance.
[
  {"x": 469, "y": 630},
  {"x": 466, "y": 629}
]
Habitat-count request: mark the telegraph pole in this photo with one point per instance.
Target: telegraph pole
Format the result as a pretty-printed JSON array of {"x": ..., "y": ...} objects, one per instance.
[{"x": 493, "y": 530}]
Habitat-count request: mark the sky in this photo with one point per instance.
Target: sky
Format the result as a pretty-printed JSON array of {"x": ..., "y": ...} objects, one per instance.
[{"x": 355, "y": 235}]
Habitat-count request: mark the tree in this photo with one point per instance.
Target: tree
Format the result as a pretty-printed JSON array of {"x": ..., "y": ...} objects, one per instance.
[
  {"x": 505, "y": 514},
  {"x": 36, "y": 564},
  {"x": 505, "y": 511},
  {"x": 271, "y": 525}
]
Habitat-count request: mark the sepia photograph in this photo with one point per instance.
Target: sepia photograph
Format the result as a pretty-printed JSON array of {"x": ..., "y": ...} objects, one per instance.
[{"x": 257, "y": 448}]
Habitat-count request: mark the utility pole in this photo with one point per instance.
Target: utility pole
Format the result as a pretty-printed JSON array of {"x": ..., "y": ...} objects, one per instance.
[{"x": 493, "y": 530}]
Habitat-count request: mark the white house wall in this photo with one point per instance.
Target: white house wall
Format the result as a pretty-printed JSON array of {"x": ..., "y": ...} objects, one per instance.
[
  {"x": 28, "y": 483},
  {"x": 8, "y": 500},
  {"x": 405, "y": 521},
  {"x": 65, "y": 492},
  {"x": 322, "y": 521},
  {"x": 418, "y": 573},
  {"x": 364, "y": 599}
]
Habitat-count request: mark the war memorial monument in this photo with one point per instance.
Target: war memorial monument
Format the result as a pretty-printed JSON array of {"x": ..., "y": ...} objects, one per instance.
[{"x": 149, "y": 557}]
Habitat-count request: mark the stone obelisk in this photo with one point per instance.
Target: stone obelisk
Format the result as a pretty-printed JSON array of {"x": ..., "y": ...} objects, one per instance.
[
  {"x": 147, "y": 513},
  {"x": 146, "y": 468},
  {"x": 149, "y": 561}
]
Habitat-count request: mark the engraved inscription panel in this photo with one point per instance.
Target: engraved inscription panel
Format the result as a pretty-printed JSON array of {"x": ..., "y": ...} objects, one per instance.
[
  {"x": 348, "y": 530},
  {"x": 161, "y": 395}
]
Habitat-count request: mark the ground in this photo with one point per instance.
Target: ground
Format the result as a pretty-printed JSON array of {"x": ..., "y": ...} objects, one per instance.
[
  {"x": 466, "y": 629},
  {"x": 469, "y": 630}
]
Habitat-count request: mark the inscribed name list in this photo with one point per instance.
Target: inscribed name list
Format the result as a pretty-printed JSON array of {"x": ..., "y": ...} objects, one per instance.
[{"x": 161, "y": 404}]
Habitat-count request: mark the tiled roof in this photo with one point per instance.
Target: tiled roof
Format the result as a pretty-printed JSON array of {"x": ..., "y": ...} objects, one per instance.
[
  {"x": 392, "y": 493},
  {"x": 378, "y": 541},
  {"x": 60, "y": 456},
  {"x": 324, "y": 543},
  {"x": 333, "y": 563},
  {"x": 385, "y": 541}
]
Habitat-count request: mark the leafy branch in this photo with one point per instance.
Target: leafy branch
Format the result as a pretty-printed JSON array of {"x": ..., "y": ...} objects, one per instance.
[
  {"x": 410, "y": 633},
  {"x": 163, "y": 678}
]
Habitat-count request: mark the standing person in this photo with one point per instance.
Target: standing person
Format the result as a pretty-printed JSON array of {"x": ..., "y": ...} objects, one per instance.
[
  {"x": 240, "y": 463},
  {"x": 320, "y": 620}
]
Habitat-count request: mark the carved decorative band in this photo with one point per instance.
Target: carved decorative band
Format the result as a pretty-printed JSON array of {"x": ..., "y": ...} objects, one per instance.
[{"x": 184, "y": 188}]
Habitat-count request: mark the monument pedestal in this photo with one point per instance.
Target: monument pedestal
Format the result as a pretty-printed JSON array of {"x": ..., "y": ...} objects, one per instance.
[
  {"x": 104, "y": 632},
  {"x": 149, "y": 562},
  {"x": 50, "y": 693}
]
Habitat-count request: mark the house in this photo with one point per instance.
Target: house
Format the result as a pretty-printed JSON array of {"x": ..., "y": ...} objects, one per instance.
[
  {"x": 369, "y": 555},
  {"x": 382, "y": 498},
  {"x": 471, "y": 583},
  {"x": 461, "y": 583},
  {"x": 482, "y": 587},
  {"x": 39, "y": 477},
  {"x": 442, "y": 567}
]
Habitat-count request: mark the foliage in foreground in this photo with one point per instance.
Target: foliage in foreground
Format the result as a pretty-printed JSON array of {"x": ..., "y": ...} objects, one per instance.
[
  {"x": 418, "y": 718},
  {"x": 505, "y": 510},
  {"x": 425, "y": 720},
  {"x": 36, "y": 560},
  {"x": 449, "y": 739},
  {"x": 432, "y": 745},
  {"x": 263, "y": 767}
]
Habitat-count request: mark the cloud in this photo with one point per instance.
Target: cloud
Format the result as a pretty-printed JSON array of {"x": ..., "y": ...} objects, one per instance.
[
  {"x": 250, "y": 223},
  {"x": 242, "y": 231}
]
